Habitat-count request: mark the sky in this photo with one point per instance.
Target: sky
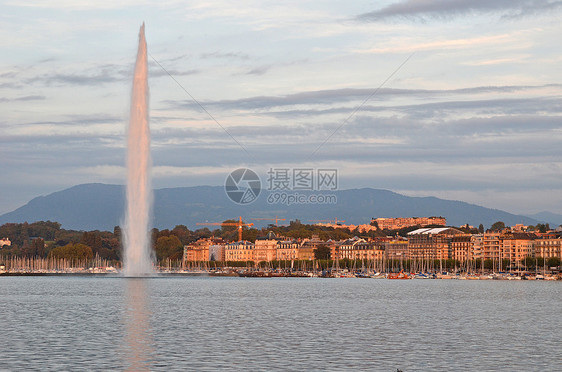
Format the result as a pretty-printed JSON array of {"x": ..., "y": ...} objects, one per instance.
[{"x": 455, "y": 99}]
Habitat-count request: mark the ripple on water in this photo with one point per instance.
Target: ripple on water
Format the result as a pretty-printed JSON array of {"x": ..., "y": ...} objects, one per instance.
[{"x": 76, "y": 323}]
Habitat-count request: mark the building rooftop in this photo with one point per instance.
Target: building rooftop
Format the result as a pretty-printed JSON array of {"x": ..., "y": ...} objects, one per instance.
[{"x": 429, "y": 230}]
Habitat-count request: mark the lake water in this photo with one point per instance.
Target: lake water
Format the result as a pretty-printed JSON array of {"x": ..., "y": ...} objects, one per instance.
[{"x": 278, "y": 324}]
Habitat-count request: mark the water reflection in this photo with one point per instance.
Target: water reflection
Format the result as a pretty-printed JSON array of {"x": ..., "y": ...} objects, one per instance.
[{"x": 138, "y": 332}]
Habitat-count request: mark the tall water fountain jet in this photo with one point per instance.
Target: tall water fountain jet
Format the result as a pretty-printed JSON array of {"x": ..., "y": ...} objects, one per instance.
[{"x": 136, "y": 239}]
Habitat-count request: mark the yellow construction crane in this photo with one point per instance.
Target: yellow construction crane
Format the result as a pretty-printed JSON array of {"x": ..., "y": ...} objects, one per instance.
[
  {"x": 276, "y": 219},
  {"x": 240, "y": 224}
]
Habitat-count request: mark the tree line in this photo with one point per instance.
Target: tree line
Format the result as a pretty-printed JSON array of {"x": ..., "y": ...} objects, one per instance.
[{"x": 48, "y": 239}]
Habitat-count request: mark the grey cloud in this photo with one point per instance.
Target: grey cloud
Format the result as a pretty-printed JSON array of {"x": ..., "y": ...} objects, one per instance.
[
  {"x": 77, "y": 79},
  {"x": 506, "y": 106},
  {"x": 8, "y": 75},
  {"x": 46, "y": 60},
  {"x": 76, "y": 120},
  {"x": 415, "y": 9},
  {"x": 225, "y": 55},
  {"x": 341, "y": 95},
  {"x": 23, "y": 98},
  {"x": 103, "y": 74},
  {"x": 436, "y": 110},
  {"x": 406, "y": 180},
  {"x": 263, "y": 102},
  {"x": 481, "y": 143},
  {"x": 91, "y": 119},
  {"x": 157, "y": 72},
  {"x": 476, "y": 138},
  {"x": 11, "y": 86},
  {"x": 176, "y": 58},
  {"x": 30, "y": 98},
  {"x": 257, "y": 70}
]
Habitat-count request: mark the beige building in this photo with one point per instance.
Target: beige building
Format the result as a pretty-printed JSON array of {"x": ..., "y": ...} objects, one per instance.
[
  {"x": 308, "y": 247},
  {"x": 199, "y": 250},
  {"x": 396, "y": 249},
  {"x": 266, "y": 248},
  {"x": 368, "y": 251},
  {"x": 240, "y": 251},
  {"x": 516, "y": 246},
  {"x": 216, "y": 252},
  {"x": 491, "y": 246},
  {"x": 5, "y": 241},
  {"x": 477, "y": 246},
  {"x": 358, "y": 249},
  {"x": 431, "y": 243},
  {"x": 306, "y": 252},
  {"x": 461, "y": 248},
  {"x": 287, "y": 250},
  {"x": 547, "y": 247},
  {"x": 347, "y": 247},
  {"x": 401, "y": 222}
]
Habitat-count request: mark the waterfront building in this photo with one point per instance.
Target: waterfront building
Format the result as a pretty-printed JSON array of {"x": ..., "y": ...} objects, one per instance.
[
  {"x": 266, "y": 248},
  {"x": 396, "y": 249},
  {"x": 491, "y": 245},
  {"x": 240, "y": 251},
  {"x": 197, "y": 251},
  {"x": 516, "y": 246},
  {"x": 369, "y": 251},
  {"x": 287, "y": 250},
  {"x": 548, "y": 247},
  {"x": 305, "y": 251},
  {"x": 477, "y": 247},
  {"x": 461, "y": 248},
  {"x": 216, "y": 252},
  {"x": 431, "y": 243},
  {"x": 360, "y": 249},
  {"x": 308, "y": 247},
  {"x": 346, "y": 247}
]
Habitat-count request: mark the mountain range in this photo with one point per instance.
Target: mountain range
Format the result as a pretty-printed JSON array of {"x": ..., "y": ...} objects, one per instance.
[{"x": 98, "y": 206}]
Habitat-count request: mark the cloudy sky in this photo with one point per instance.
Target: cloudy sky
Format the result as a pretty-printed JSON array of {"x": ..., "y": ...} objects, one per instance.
[{"x": 469, "y": 105}]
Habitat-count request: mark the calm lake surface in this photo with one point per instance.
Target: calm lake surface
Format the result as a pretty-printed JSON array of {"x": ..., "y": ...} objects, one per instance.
[{"x": 278, "y": 324}]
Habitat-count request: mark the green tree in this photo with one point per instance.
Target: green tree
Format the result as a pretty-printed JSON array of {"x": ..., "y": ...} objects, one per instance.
[
  {"x": 92, "y": 239},
  {"x": 481, "y": 228},
  {"x": 38, "y": 247},
  {"x": 167, "y": 246},
  {"x": 529, "y": 262},
  {"x": 497, "y": 226},
  {"x": 202, "y": 233},
  {"x": 183, "y": 233},
  {"x": 542, "y": 227},
  {"x": 553, "y": 262},
  {"x": 323, "y": 252},
  {"x": 73, "y": 252},
  {"x": 250, "y": 234}
]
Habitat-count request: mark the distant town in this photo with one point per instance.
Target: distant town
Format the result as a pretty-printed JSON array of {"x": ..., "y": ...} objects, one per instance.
[{"x": 395, "y": 248}]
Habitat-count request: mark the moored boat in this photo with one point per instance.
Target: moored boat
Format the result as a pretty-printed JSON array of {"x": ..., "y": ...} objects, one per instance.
[{"x": 400, "y": 275}]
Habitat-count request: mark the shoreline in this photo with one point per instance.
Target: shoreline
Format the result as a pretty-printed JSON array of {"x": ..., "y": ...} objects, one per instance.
[{"x": 297, "y": 274}]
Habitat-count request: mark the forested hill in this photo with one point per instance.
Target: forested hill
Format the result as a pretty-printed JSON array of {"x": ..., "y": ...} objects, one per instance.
[{"x": 100, "y": 206}]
